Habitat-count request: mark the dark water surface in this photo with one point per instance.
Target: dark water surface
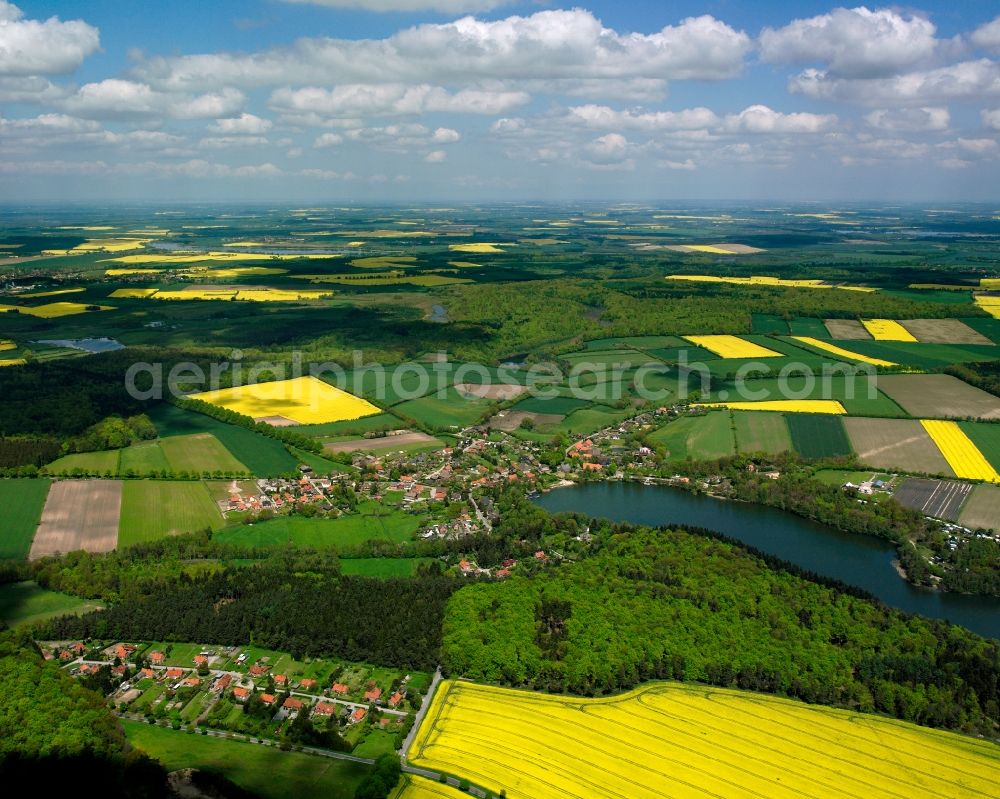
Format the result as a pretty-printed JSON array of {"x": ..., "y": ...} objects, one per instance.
[{"x": 855, "y": 559}]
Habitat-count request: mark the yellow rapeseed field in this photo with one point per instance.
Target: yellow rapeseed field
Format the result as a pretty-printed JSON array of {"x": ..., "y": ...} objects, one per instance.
[
  {"x": 132, "y": 294},
  {"x": 732, "y": 347},
  {"x": 786, "y": 406},
  {"x": 841, "y": 352},
  {"x": 12, "y": 362},
  {"x": 989, "y": 304},
  {"x": 414, "y": 787},
  {"x": 53, "y": 309},
  {"x": 168, "y": 258},
  {"x": 127, "y": 272},
  {"x": 887, "y": 330},
  {"x": 480, "y": 247},
  {"x": 685, "y": 742},
  {"x": 7, "y": 345},
  {"x": 766, "y": 280},
  {"x": 989, "y": 282},
  {"x": 962, "y": 455},
  {"x": 301, "y": 400}
]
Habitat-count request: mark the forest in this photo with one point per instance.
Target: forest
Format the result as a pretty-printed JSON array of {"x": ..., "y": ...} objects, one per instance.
[
  {"x": 662, "y": 604},
  {"x": 394, "y": 622},
  {"x": 70, "y": 731}
]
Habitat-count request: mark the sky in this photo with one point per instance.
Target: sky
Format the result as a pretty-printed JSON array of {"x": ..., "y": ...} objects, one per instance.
[{"x": 480, "y": 100}]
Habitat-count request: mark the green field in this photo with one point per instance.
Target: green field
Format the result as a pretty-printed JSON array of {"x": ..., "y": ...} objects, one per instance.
[
  {"x": 807, "y": 326},
  {"x": 97, "y": 463},
  {"x": 143, "y": 458},
  {"x": 266, "y": 771},
  {"x": 818, "y": 435},
  {"x": 632, "y": 342},
  {"x": 451, "y": 411},
  {"x": 26, "y": 603},
  {"x": 924, "y": 356},
  {"x": 372, "y": 522},
  {"x": 382, "y": 567},
  {"x": 555, "y": 405},
  {"x": 200, "y": 452},
  {"x": 625, "y": 358},
  {"x": 703, "y": 437},
  {"x": 838, "y": 477},
  {"x": 865, "y": 399},
  {"x": 768, "y": 323},
  {"x": 152, "y": 509},
  {"x": 263, "y": 456},
  {"x": 588, "y": 420},
  {"x": 761, "y": 432},
  {"x": 352, "y": 427},
  {"x": 22, "y": 502}
]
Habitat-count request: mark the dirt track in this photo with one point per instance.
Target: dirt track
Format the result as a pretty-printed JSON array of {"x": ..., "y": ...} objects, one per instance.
[{"x": 79, "y": 514}]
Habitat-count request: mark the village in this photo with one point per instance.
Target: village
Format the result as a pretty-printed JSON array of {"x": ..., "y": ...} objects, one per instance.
[{"x": 246, "y": 689}]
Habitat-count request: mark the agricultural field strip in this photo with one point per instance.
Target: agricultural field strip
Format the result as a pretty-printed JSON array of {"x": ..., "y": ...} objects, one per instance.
[
  {"x": 887, "y": 330},
  {"x": 833, "y": 349},
  {"x": 957, "y": 448},
  {"x": 726, "y": 346},
  {"x": 488, "y": 710},
  {"x": 939, "y": 498},
  {"x": 781, "y": 406}
]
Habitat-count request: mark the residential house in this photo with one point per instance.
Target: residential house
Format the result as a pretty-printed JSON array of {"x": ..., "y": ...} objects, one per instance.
[
  {"x": 268, "y": 699},
  {"x": 373, "y": 695},
  {"x": 157, "y": 658},
  {"x": 358, "y": 715},
  {"x": 174, "y": 674},
  {"x": 324, "y": 709},
  {"x": 340, "y": 689},
  {"x": 222, "y": 683},
  {"x": 396, "y": 699},
  {"x": 307, "y": 684},
  {"x": 192, "y": 682},
  {"x": 293, "y": 704},
  {"x": 280, "y": 679}
]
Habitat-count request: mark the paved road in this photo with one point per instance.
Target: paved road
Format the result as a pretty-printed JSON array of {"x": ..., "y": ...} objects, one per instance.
[{"x": 419, "y": 718}]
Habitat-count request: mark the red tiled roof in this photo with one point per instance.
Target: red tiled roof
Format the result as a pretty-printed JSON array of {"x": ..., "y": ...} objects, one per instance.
[
  {"x": 192, "y": 681},
  {"x": 325, "y": 708},
  {"x": 292, "y": 703},
  {"x": 307, "y": 683},
  {"x": 395, "y": 699},
  {"x": 373, "y": 695},
  {"x": 340, "y": 688},
  {"x": 240, "y": 692},
  {"x": 175, "y": 672},
  {"x": 267, "y": 699},
  {"x": 281, "y": 679},
  {"x": 358, "y": 714}
]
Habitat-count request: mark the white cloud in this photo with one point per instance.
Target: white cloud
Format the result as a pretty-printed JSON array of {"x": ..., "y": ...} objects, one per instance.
[
  {"x": 687, "y": 165},
  {"x": 436, "y": 157},
  {"x": 61, "y": 130},
  {"x": 909, "y": 119},
  {"x": 244, "y": 124},
  {"x": 116, "y": 98},
  {"x": 852, "y": 43},
  {"x": 389, "y": 99},
  {"x": 32, "y": 47},
  {"x": 761, "y": 119},
  {"x": 557, "y": 44},
  {"x": 444, "y": 6},
  {"x": 32, "y": 89},
  {"x": 964, "y": 80},
  {"x": 505, "y": 125},
  {"x": 601, "y": 116},
  {"x": 230, "y": 142},
  {"x": 610, "y": 148},
  {"x": 988, "y": 35},
  {"x": 978, "y": 146},
  {"x": 327, "y": 140},
  {"x": 446, "y": 136},
  {"x": 991, "y": 119}
]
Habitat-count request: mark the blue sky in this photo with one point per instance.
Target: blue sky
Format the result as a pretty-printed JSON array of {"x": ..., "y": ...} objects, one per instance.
[{"x": 402, "y": 100}]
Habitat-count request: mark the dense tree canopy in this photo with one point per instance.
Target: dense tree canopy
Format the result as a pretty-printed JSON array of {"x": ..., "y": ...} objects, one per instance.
[{"x": 674, "y": 604}]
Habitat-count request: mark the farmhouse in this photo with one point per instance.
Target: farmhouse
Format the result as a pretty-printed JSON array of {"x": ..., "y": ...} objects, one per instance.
[{"x": 293, "y": 704}]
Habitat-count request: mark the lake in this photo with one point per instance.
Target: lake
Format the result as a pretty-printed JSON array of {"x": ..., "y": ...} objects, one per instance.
[{"x": 859, "y": 560}]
